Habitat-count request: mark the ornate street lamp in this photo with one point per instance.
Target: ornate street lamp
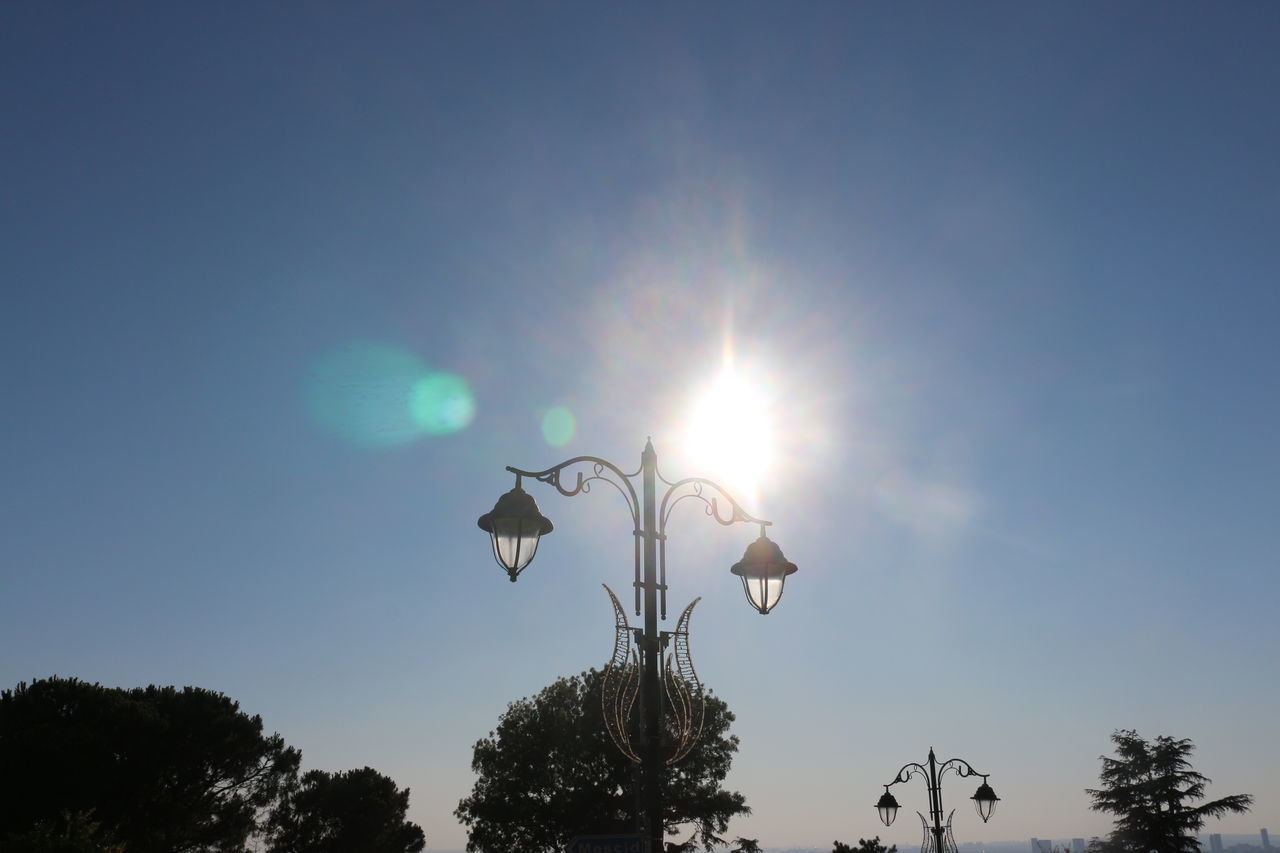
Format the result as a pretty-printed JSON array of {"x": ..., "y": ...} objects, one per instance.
[
  {"x": 938, "y": 837},
  {"x": 514, "y": 527}
]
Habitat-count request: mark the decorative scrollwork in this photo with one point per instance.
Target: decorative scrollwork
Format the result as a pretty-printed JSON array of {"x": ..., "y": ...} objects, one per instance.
[
  {"x": 909, "y": 770},
  {"x": 696, "y": 488},
  {"x": 621, "y": 683},
  {"x": 958, "y": 766},
  {"x": 685, "y": 697},
  {"x": 602, "y": 471}
]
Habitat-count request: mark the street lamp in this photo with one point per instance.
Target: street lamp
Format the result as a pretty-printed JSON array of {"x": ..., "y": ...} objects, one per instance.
[
  {"x": 937, "y": 838},
  {"x": 515, "y": 525}
]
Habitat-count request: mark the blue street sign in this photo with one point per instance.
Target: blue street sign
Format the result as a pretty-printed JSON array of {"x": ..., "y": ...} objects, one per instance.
[{"x": 608, "y": 844}]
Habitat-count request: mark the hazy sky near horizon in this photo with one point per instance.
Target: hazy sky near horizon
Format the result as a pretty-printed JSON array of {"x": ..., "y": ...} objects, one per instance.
[{"x": 286, "y": 286}]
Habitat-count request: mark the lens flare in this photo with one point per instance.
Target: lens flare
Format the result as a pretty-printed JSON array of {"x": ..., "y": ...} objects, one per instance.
[
  {"x": 375, "y": 395},
  {"x": 558, "y": 426},
  {"x": 442, "y": 403}
]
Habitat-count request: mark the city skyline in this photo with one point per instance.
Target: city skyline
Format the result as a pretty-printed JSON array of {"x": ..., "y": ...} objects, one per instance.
[
  {"x": 1006, "y": 846},
  {"x": 286, "y": 289}
]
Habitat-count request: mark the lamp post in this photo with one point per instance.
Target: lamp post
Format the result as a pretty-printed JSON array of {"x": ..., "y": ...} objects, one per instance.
[
  {"x": 515, "y": 526},
  {"x": 984, "y": 800}
]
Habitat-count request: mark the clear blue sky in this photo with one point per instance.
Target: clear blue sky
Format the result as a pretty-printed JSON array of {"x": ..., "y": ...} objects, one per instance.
[{"x": 1006, "y": 274}]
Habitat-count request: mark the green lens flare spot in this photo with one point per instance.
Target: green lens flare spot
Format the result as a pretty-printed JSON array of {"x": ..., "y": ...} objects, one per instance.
[
  {"x": 558, "y": 426},
  {"x": 442, "y": 403},
  {"x": 359, "y": 392}
]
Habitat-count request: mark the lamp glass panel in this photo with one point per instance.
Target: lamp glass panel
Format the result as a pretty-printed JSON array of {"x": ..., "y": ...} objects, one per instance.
[
  {"x": 985, "y": 808},
  {"x": 763, "y": 592},
  {"x": 887, "y": 814},
  {"x": 515, "y": 540}
]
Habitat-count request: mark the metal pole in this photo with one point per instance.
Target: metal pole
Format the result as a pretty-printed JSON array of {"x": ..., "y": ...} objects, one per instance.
[
  {"x": 935, "y": 803},
  {"x": 650, "y": 686}
]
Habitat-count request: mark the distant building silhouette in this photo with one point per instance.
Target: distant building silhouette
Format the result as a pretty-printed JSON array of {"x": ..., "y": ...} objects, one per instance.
[
  {"x": 1215, "y": 843},
  {"x": 1077, "y": 845},
  {"x": 1041, "y": 845},
  {"x": 1266, "y": 840}
]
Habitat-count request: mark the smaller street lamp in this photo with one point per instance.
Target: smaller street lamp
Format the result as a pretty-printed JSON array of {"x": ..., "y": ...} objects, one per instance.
[{"x": 984, "y": 800}]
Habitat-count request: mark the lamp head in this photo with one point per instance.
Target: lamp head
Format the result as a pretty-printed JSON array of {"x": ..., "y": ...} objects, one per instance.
[
  {"x": 887, "y": 807},
  {"x": 514, "y": 526},
  {"x": 763, "y": 570},
  {"x": 984, "y": 800}
]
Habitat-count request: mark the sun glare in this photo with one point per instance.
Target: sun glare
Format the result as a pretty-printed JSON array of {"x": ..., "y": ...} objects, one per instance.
[{"x": 729, "y": 434}]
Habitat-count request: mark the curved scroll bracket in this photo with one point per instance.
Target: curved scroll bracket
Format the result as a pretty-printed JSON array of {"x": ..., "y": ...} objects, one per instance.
[
  {"x": 958, "y": 766},
  {"x": 602, "y": 471},
  {"x": 710, "y": 493},
  {"x": 909, "y": 770}
]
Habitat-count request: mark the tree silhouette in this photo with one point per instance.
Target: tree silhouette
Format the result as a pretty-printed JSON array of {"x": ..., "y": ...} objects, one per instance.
[
  {"x": 359, "y": 810},
  {"x": 1151, "y": 789},
  {"x": 72, "y": 833},
  {"x": 865, "y": 846},
  {"x": 162, "y": 770},
  {"x": 549, "y": 772},
  {"x": 93, "y": 769}
]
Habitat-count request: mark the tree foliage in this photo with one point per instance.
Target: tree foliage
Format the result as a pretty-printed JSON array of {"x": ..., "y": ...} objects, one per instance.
[
  {"x": 162, "y": 770},
  {"x": 359, "y": 810},
  {"x": 549, "y": 772},
  {"x": 72, "y": 833},
  {"x": 1151, "y": 789},
  {"x": 93, "y": 769},
  {"x": 864, "y": 846}
]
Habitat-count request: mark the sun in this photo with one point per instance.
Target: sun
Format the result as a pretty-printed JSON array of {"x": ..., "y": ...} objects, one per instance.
[{"x": 729, "y": 434}]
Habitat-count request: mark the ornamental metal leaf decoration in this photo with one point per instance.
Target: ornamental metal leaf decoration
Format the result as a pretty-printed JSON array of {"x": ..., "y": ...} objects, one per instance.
[
  {"x": 685, "y": 697},
  {"x": 621, "y": 682},
  {"x": 930, "y": 844}
]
